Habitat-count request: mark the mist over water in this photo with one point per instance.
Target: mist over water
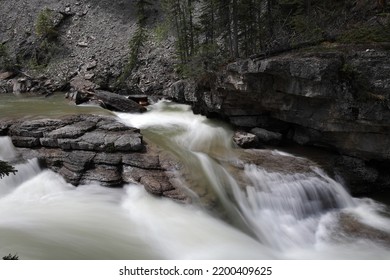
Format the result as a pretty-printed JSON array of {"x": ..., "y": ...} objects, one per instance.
[{"x": 275, "y": 215}]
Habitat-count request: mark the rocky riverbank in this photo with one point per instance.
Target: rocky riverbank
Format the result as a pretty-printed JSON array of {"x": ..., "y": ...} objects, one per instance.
[
  {"x": 89, "y": 148},
  {"x": 333, "y": 97}
]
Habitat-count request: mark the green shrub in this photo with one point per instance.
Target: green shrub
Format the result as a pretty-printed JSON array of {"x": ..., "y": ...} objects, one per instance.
[
  {"x": 41, "y": 54},
  {"x": 135, "y": 45},
  {"x": 161, "y": 31},
  {"x": 44, "y": 26}
]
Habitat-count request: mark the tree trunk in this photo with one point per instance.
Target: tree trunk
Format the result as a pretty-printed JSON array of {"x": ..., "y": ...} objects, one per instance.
[
  {"x": 270, "y": 18},
  {"x": 235, "y": 29},
  {"x": 308, "y": 7},
  {"x": 191, "y": 28}
]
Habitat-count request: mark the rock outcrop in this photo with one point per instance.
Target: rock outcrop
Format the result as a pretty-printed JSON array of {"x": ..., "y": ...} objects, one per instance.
[
  {"x": 332, "y": 97},
  {"x": 89, "y": 148}
]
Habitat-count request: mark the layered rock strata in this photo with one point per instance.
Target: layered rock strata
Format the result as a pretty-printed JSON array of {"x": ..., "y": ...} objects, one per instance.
[
  {"x": 333, "y": 97},
  {"x": 88, "y": 148}
]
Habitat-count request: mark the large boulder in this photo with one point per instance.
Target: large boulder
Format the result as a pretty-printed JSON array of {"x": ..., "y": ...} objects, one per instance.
[
  {"x": 89, "y": 148},
  {"x": 85, "y": 91},
  {"x": 117, "y": 102},
  {"x": 245, "y": 139}
]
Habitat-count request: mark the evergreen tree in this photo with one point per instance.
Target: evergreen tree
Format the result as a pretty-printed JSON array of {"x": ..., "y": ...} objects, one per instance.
[
  {"x": 6, "y": 169},
  {"x": 209, "y": 32},
  {"x": 11, "y": 257},
  {"x": 137, "y": 40}
]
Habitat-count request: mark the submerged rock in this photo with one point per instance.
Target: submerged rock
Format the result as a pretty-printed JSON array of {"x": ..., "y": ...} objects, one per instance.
[
  {"x": 275, "y": 161},
  {"x": 352, "y": 227}
]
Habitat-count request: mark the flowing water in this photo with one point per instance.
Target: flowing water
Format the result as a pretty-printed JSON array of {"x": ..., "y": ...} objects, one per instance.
[
  {"x": 39, "y": 106},
  {"x": 272, "y": 215}
]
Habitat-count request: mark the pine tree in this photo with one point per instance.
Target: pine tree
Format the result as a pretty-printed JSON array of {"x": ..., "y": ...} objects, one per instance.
[
  {"x": 136, "y": 41},
  {"x": 209, "y": 32},
  {"x": 6, "y": 169}
]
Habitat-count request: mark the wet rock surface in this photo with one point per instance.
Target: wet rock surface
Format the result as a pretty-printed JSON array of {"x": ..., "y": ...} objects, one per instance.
[
  {"x": 275, "y": 161},
  {"x": 335, "y": 98},
  {"x": 89, "y": 148},
  {"x": 352, "y": 227}
]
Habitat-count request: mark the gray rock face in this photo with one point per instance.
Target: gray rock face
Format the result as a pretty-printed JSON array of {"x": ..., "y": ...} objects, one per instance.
[
  {"x": 84, "y": 33},
  {"x": 22, "y": 84},
  {"x": 267, "y": 137},
  {"x": 81, "y": 85},
  {"x": 357, "y": 173},
  {"x": 334, "y": 98},
  {"x": 85, "y": 45},
  {"x": 245, "y": 139},
  {"x": 88, "y": 148}
]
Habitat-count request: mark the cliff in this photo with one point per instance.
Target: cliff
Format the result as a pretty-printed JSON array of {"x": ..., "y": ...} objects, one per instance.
[{"x": 333, "y": 96}]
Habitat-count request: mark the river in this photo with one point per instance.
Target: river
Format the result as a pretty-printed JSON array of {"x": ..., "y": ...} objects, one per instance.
[{"x": 275, "y": 215}]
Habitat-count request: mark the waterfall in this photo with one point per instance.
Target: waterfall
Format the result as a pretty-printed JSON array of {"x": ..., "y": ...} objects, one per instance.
[
  {"x": 257, "y": 212},
  {"x": 25, "y": 171},
  {"x": 289, "y": 205},
  {"x": 43, "y": 217},
  {"x": 295, "y": 214},
  {"x": 7, "y": 150}
]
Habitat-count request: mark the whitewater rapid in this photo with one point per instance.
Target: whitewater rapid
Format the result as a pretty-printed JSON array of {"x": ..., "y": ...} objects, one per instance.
[{"x": 275, "y": 216}]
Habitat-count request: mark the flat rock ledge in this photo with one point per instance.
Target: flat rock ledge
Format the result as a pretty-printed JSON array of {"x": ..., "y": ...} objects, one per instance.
[{"x": 88, "y": 148}]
